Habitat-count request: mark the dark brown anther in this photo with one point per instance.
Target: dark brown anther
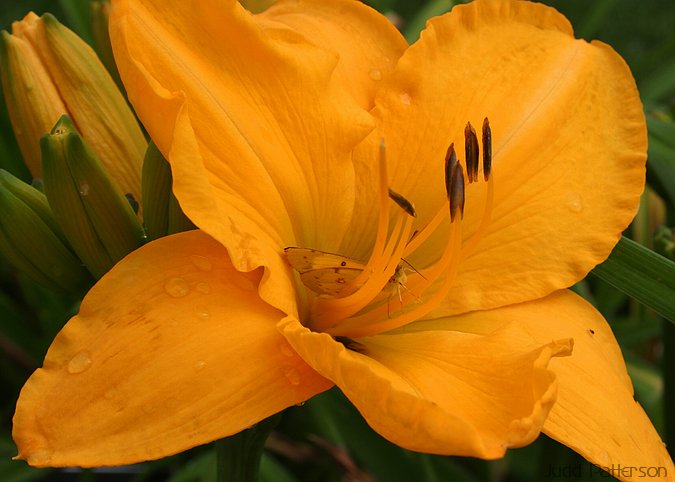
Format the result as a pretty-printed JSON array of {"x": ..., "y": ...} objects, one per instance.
[
  {"x": 402, "y": 202},
  {"x": 471, "y": 149},
  {"x": 487, "y": 149},
  {"x": 450, "y": 163},
  {"x": 456, "y": 195}
]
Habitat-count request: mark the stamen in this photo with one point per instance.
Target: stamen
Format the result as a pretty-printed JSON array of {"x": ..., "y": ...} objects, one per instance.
[
  {"x": 382, "y": 224},
  {"x": 383, "y": 190},
  {"x": 470, "y": 246},
  {"x": 450, "y": 163},
  {"x": 363, "y": 306},
  {"x": 327, "y": 312},
  {"x": 456, "y": 194},
  {"x": 421, "y": 236},
  {"x": 471, "y": 150},
  {"x": 402, "y": 202},
  {"x": 487, "y": 149},
  {"x": 377, "y": 320}
]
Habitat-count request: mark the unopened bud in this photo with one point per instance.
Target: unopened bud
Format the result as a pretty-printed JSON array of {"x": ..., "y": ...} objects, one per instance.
[
  {"x": 91, "y": 209},
  {"x": 48, "y": 71},
  {"x": 32, "y": 240}
]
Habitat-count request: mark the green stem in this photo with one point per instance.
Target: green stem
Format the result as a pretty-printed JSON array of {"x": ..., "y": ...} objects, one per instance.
[{"x": 238, "y": 456}]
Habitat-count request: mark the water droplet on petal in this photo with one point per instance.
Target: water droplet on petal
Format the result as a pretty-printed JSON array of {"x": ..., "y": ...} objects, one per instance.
[
  {"x": 79, "y": 363},
  {"x": 375, "y": 74},
  {"x": 405, "y": 98},
  {"x": 149, "y": 408},
  {"x": 604, "y": 459},
  {"x": 200, "y": 365},
  {"x": 203, "y": 315},
  {"x": 575, "y": 203},
  {"x": 176, "y": 287},
  {"x": 286, "y": 349},
  {"x": 84, "y": 189},
  {"x": 202, "y": 262},
  {"x": 204, "y": 288},
  {"x": 292, "y": 375}
]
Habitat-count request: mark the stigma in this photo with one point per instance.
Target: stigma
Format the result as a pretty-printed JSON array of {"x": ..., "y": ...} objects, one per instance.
[{"x": 357, "y": 299}]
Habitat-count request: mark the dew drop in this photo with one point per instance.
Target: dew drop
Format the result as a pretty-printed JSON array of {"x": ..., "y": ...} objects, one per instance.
[
  {"x": 176, "y": 287},
  {"x": 575, "y": 203},
  {"x": 203, "y": 315},
  {"x": 285, "y": 349},
  {"x": 204, "y": 288},
  {"x": 292, "y": 375},
  {"x": 79, "y": 363},
  {"x": 375, "y": 74},
  {"x": 202, "y": 262},
  {"x": 149, "y": 408},
  {"x": 84, "y": 189},
  {"x": 604, "y": 459},
  {"x": 405, "y": 98},
  {"x": 200, "y": 365},
  {"x": 109, "y": 394}
]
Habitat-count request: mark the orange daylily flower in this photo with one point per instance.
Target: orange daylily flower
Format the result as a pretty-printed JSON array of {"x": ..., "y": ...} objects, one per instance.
[{"x": 449, "y": 335}]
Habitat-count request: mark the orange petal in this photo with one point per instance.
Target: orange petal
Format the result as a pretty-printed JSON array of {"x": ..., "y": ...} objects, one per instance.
[
  {"x": 441, "y": 391},
  {"x": 595, "y": 413},
  {"x": 257, "y": 127},
  {"x": 367, "y": 43},
  {"x": 569, "y": 144},
  {"x": 171, "y": 349}
]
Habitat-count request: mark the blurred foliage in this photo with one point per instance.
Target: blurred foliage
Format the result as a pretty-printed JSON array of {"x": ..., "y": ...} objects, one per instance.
[{"x": 326, "y": 439}]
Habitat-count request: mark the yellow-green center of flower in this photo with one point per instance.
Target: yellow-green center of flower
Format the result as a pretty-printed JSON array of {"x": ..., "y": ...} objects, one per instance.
[{"x": 387, "y": 292}]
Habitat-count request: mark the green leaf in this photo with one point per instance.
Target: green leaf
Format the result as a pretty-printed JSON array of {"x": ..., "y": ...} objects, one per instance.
[
  {"x": 642, "y": 274},
  {"x": 660, "y": 84},
  {"x": 661, "y": 161},
  {"x": 597, "y": 14},
  {"x": 430, "y": 9}
]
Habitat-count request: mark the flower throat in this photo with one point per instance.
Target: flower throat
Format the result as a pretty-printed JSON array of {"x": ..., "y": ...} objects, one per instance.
[{"x": 359, "y": 300}]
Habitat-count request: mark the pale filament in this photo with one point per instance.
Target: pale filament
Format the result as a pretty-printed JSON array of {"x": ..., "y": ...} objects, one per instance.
[
  {"x": 377, "y": 320},
  {"x": 470, "y": 246},
  {"x": 380, "y": 247}
]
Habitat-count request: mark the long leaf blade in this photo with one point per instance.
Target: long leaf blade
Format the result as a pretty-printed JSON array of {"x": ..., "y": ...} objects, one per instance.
[{"x": 642, "y": 274}]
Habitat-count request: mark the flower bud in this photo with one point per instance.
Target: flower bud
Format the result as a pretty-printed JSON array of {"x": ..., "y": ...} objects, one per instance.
[
  {"x": 48, "y": 71},
  {"x": 32, "y": 240},
  {"x": 89, "y": 206},
  {"x": 100, "y": 12},
  {"x": 162, "y": 215}
]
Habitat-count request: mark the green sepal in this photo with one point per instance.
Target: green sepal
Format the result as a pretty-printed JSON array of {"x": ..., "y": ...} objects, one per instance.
[
  {"x": 156, "y": 191},
  {"x": 162, "y": 214},
  {"x": 178, "y": 221},
  {"x": 89, "y": 206},
  {"x": 32, "y": 240}
]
